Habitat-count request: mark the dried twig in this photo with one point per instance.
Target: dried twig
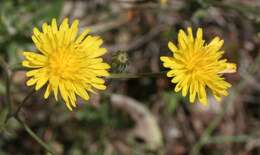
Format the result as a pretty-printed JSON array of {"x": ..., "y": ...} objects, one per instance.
[
  {"x": 109, "y": 25},
  {"x": 146, "y": 125},
  {"x": 138, "y": 42}
]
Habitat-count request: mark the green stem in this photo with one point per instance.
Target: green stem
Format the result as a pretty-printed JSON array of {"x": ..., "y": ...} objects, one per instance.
[
  {"x": 7, "y": 84},
  {"x": 227, "y": 139},
  {"x": 135, "y": 75},
  {"x": 23, "y": 102},
  {"x": 34, "y": 136},
  {"x": 14, "y": 114}
]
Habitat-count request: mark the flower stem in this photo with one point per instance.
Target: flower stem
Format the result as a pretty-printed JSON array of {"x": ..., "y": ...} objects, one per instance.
[
  {"x": 228, "y": 139},
  {"x": 135, "y": 75},
  {"x": 7, "y": 84},
  {"x": 14, "y": 114},
  {"x": 34, "y": 136}
]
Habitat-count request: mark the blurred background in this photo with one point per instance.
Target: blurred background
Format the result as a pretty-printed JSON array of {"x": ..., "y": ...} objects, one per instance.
[{"x": 135, "y": 116}]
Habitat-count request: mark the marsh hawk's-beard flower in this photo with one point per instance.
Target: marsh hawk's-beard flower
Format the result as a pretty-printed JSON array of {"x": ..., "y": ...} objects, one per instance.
[
  {"x": 65, "y": 63},
  {"x": 196, "y": 67}
]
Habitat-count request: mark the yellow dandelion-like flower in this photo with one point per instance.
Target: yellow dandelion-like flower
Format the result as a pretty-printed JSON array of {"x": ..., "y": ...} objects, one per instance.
[
  {"x": 196, "y": 66},
  {"x": 66, "y": 63}
]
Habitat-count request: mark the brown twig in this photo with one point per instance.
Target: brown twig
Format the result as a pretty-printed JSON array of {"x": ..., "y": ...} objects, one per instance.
[
  {"x": 138, "y": 42},
  {"x": 109, "y": 25}
]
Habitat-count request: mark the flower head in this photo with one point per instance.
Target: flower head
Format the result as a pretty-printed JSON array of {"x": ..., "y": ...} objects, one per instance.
[
  {"x": 120, "y": 61},
  {"x": 66, "y": 63},
  {"x": 196, "y": 66}
]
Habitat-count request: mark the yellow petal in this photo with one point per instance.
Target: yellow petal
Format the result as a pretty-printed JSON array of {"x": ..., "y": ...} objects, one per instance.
[
  {"x": 47, "y": 91},
  {"x": 82, "y": 92},
  {"x": 54, "y": 81},
  {"x": 178, "y": 87},
  {"x": 230, "y": 68},
  {"x": 54, "y": 25},
  {"x": 198, "y": 40},
  {"x": 31, "y": 65},
  {"x": 98, "y": 52},
  {"x": 98, "y": 80},
  {"x": 215, "y": 45},
  {"x": 190, "y": 35},
  {"x": 72, "y": 98},
  {"x": 74, "y": 30},
  {"x": 217, "y": 96},
  {"x": 171, "y": 73},
  {"x": 101, "y": 73},
  {"x": 186, "y": 85},
  {"x": 192, "y": 93},
  {"x": 182, "y": 40},
  {"x": 41, "y": 82},
  {"x": 178, "y": 78},
  {"x": 36, "y": 32},
  {"x": 99, "y": 86},
  {"x": 100, "y": 66},
  {"x": 64, "y": 25},
  {"x": 64, "y": 95},
  {"x": 31, "y": 81},
  {"x": 172, "y": 47},
  {"x": 82, "y": 36},
  {"x": 45, "y": 28},
  {"x": 202, "y": 94},
  {"x": 35, "y": 58}
]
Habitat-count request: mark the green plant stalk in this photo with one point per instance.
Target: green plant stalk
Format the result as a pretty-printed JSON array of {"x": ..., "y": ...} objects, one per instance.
[
  {"x": 228, "y": 139},
  {"x": 135, "y": 75},
  {"x": 16, "y": 112},
  {"x": 7, "y": 89},
  {"x": 7, "y": 84},
  {"x": 34, "y": 136}
]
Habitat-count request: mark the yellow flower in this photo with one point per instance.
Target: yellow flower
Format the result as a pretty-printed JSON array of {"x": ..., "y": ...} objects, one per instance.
[
  {"x": 196, "y": 66},
  {"x": 66, "y": 63}
]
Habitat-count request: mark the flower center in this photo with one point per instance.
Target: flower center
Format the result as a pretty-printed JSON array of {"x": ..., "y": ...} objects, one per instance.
[
  {"x": 191, "y": 66},
  {"x": 62, "y": 65},
  {"x": 194, "y": 64}
]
